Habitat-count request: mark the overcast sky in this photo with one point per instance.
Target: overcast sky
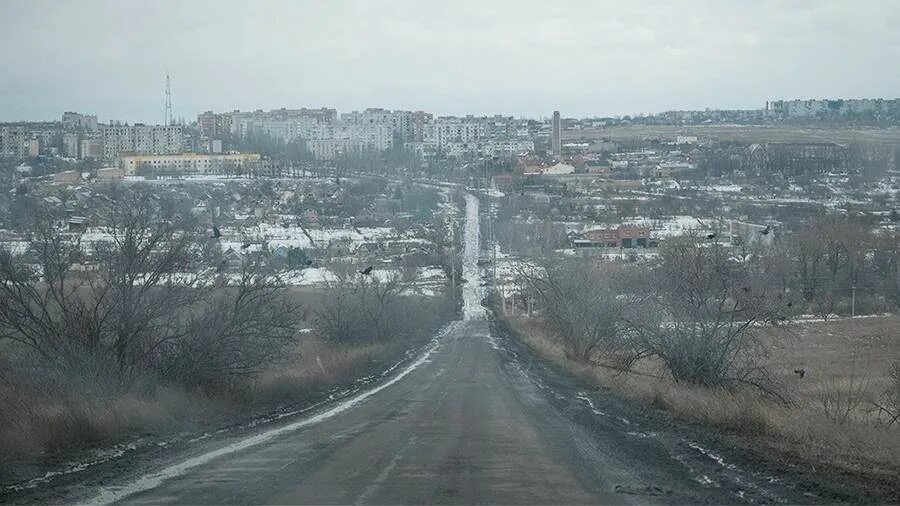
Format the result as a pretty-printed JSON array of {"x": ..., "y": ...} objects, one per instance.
[{"x": 517, "y": 57}]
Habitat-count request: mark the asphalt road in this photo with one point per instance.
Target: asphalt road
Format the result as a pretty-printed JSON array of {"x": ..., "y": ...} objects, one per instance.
[{"x": 474, "y": 420}]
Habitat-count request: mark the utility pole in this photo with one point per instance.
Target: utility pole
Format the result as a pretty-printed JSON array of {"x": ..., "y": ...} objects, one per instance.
[{"x": 853, "y": 300}]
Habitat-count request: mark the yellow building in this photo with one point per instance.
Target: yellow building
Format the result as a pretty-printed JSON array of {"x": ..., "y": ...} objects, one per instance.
[{"x": 196, "y": 163}]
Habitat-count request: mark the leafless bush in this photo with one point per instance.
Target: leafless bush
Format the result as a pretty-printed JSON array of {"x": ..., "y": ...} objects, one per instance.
[
  {"x": 238, "y": 330},
  {"x": 364, "y": 308},
  {"x": 700, "y": 315},
  {"x": 888, "y": 405},
  {"x": 842, "y": 399},
  {"x": 139, "y": 306},
  {"x": 582, "y": 303},
  {"x": 825, "y": 305}
]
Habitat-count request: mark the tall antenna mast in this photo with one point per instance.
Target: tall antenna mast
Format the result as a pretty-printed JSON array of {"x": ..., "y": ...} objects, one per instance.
[{"x": 169, "y": 117}]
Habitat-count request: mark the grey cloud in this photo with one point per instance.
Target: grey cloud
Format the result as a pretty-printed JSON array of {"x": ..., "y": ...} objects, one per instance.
[{"x": 513, "y": 57}]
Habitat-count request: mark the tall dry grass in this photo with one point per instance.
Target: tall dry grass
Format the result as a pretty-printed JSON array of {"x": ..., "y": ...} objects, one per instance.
[
  {"x": 44, "y": 418},
  {"x": 801, "y": 429}
]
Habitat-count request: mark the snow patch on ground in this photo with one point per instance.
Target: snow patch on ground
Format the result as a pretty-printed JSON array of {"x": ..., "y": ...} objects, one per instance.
[{"x": 473, "y": 292}]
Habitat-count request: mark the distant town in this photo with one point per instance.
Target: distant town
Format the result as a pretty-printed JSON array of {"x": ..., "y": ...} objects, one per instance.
[
  {"x": 603, "y": 183},
  {"x": 264, "y": 141}
]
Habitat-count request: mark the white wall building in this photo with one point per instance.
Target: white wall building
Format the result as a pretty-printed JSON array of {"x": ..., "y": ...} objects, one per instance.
[
  {"x": 141, "y": 139},
  {"x": 444, "y": 131},
  {"x": 198, "y": 163}
]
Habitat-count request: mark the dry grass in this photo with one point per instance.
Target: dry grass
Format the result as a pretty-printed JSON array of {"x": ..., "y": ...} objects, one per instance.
[
  {"x": 318, "y": 366},
  {"x": 840, "y": 359},
  {"x": 42, "y": 419},
  {"x": 801, "y": 429}
]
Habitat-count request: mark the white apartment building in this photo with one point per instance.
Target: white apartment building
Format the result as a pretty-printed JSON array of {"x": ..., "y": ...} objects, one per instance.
[
  {"x": 286, "y": 129},
  {"x": 287, "y": 124},
  {"x": 498, "y": 148},
  {"x": 327, "y": 141},
  {"x": 141, "y": 139},
  {"x": 70, "y": 144},
  {"x": 196, "y": 163},
  {"x": 12, "y": 141},
  {"x": 77, "y": 121},
  {"x": 443, "y": 131},
  {"x": 400, "y": 123},
  {"x": 506, "y": 147},
  {"x": 805, "y": 108}
]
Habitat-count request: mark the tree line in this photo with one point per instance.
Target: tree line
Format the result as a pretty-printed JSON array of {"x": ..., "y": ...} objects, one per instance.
[{"x": 700, "y": 306}]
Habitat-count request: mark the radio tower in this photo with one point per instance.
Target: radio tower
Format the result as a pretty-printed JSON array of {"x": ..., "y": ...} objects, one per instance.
[{"x": 169, "y": 117}]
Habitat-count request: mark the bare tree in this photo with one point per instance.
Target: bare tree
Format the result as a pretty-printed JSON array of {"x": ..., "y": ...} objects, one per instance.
[
  {"x": 583, "y": 303},
  {"x": 138, "y": 303},
  {"x": 236, "y": 330},
  {"x": 701, "y": 315},
  {"x": 40, "y": 306},
  {"x": 360, "y": 308},
  {"x": 808, "y": 252},
  {"x": 134, "y": 290}
]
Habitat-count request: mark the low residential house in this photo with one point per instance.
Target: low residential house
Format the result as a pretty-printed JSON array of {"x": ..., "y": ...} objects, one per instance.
[
  {"x": 77, "y": 224},
  {"x": 661, "y": 172},
  {"x": 623, "y": 236},
  {"x": 340, "y": 247},
  {"x": 559, "y": 169},
  {"x": 598, "y": 169},
  {"x": 502, "y": 181},
  {"x": 67, "y": 177},
  {"x": 752, "y": 233},
  {"x": 109, "y": 174},
  {"x": 232, "y": 260}
]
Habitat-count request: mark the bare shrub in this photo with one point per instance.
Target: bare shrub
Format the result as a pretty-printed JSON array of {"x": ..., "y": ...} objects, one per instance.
[
  {"x": 700, "y": 314},
  {"x": 361, "y": 308},
  {"x": 241, "y": 328},
  {"x": 582, "y": 304},
  {"x": 889, "y": 403},
  {"x": 141, "y": 306},
  {"x": 841, "y": 400}
]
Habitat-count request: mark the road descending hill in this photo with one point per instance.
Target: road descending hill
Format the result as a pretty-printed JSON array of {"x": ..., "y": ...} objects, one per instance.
[{"x": 473, "y": 420}]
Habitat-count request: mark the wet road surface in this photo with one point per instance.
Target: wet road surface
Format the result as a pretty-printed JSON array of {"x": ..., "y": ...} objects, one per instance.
[{"x": 472, "y": 421}]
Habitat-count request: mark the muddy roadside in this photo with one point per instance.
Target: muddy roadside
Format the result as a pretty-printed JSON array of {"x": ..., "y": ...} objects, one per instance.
[{"x": 752, "y": 469}]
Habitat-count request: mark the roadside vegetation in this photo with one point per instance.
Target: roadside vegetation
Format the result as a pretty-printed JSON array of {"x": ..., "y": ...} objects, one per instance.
[
  {"x": 154, "y": 336},
  {"x": 740, "y": 342}
]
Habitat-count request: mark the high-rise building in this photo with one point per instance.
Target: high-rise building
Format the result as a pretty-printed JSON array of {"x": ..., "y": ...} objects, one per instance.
[
  {"x": 555, "y": 140},
  {"x": 400, "y": 123},
  {"x": 200, "y": 163},
  {"x": 142, "y": 139},
  {"x": 77, "y": 121},
  {"x": 214, "y": 124},
  {"x": 445, "y": 130},
  {"x": 91, "y": 148},
  {"x": 12, "y": 141},
  {"x": 70, "y": 144}
]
